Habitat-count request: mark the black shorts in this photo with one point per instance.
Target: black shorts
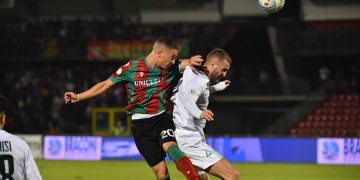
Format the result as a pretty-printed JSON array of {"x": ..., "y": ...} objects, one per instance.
[{"x": 150, "y": 134}]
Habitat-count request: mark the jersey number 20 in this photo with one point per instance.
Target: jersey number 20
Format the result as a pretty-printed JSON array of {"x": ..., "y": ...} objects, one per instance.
[
  {"x": 6, "y": 161},
  {"x": 166, "y": 133}
]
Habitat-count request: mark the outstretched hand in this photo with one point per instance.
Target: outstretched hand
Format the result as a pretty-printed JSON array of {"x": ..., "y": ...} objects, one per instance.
[
  {"x": 208, "y": 115},
  {"x": 70, "y": 97},
  {"x": 220, "y": 86},
  {"x": 227, "y": 83}
]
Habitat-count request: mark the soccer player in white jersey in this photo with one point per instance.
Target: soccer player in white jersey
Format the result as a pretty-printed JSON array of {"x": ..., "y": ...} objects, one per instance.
[
  {"x": 191, "y": 98},
  {"x": 16, "y": 161}
]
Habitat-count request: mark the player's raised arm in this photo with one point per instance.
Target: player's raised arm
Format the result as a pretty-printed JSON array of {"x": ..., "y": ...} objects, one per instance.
[
  {"x": 97, "y": 89},
  {"x": 194, "y": 61}
]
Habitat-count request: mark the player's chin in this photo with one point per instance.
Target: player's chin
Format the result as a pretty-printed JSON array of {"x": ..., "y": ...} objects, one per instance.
[
  {"x": 163, "y": 67},
  {"x": 166, "y": 67},
  {"x": 221, "y": 78}
]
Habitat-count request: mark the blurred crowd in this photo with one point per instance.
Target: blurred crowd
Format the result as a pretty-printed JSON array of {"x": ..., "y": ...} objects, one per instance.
[
  {"x": 35, "y": 91},
  {"x": 35, "y": 84},
  {"x": 320, "y": 37},
  {"x": 68, "y": 38}
]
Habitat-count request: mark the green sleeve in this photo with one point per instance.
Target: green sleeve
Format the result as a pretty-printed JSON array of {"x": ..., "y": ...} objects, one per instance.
[{"x": 121, "y": 74}]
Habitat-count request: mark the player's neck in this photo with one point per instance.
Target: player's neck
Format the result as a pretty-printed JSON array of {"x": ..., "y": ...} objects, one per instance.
[
  {"x": 205, "y": 70},
  {"x": 151, "y": 60}
]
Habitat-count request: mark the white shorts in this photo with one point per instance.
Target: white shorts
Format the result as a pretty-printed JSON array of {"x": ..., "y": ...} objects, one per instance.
[{"x": 193, "y": 144}]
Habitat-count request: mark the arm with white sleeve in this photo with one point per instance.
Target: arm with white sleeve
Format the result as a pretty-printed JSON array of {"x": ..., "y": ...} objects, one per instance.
[
  {"x": 189, "y": 93},
  {"x": 32, "y": 171},
  {"x": 219, "y": 86}
]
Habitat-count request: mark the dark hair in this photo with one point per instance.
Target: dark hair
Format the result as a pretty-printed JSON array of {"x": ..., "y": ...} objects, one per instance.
[
  {"x": 168, "y": 42},
  {"x": 221, "y": 54},
  {"x": 3, "y": 104}
]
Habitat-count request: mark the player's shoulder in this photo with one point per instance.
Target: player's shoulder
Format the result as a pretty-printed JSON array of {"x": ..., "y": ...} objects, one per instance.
[
  {"x": 133, "y": 63},
  {"x": 18, "y": 139},
  {"x": 130, "y": 63},
  {"x": 14, "y": 139},
  {"x": 196, "y": 76},
  {"x": 124, "y": 68},
  {"x": 199, "y": 74},
  {"x": 194, "y": 71},
  {"x": 137, "y": 60}
]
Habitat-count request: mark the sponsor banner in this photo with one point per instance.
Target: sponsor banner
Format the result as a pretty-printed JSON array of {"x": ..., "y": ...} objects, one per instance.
[
  {"x": 238, "y": 149},
  {"x": 338, "y": 151},
  {"x": 289, "y": 150},
  {"x": 35, "y": 144},
  {"x": 120, "y": 148},
  {"x": 124, "y": 50},
  {"x": 352, "y": 150},
  {"x": 72, "y": 147}
]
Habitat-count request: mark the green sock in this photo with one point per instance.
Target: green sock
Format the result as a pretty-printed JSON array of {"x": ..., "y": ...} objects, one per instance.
[{"x": 175, "y": 153}]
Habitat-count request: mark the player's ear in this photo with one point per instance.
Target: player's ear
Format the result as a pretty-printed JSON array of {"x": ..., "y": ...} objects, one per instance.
[
  {"x": 3, "y": 120},
  {"x": 159, "y": 52}
]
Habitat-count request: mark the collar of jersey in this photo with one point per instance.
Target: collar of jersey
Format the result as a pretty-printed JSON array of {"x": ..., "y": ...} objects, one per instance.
[
  {"x": 147, "y": 64},
  {"x": 205, "y": 76}
]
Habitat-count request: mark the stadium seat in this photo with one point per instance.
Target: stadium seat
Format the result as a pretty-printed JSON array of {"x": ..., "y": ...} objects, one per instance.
[{"x": 337, "y": 115}]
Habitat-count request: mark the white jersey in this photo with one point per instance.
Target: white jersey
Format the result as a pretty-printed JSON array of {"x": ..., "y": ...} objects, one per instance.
[
  {"x": 191, "y": 97},
  {"x": 16, "y": 160}
]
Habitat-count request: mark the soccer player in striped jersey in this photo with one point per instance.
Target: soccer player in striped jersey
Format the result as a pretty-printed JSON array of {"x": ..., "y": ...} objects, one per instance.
[
  {"x": 16, "y": 160},
  {"x": 191, "y": 98},
  {"x": 147, "y": 81}
]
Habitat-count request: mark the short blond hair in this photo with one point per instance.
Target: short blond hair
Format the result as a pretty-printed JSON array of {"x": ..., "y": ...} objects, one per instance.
[{"x": 220, "y": 54}]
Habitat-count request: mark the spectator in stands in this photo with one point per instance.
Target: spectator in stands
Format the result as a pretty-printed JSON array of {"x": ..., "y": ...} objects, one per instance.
[{"x": 324, "y": 73}]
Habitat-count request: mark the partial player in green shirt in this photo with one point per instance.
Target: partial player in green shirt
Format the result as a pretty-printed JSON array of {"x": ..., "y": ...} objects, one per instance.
[
  {"x": 147, "y": 81},
  {"x": 147, "y": 87}
]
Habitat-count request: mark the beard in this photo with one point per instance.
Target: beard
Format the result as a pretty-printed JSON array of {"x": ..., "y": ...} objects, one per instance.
[{"x": 216, "y": 79}]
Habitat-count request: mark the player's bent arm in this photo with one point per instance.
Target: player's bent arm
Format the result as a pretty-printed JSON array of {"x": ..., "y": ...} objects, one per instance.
[
  {"x": 189, "y": 96},
  {"x": 96, "y": 90},
  {"x": 188, "y": 100}
]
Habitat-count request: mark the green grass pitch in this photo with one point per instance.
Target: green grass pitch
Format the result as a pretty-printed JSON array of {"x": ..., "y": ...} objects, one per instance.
[{"x": 128, "y": 170}]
